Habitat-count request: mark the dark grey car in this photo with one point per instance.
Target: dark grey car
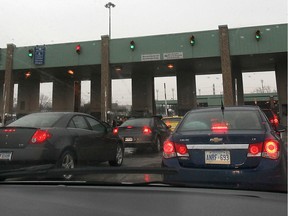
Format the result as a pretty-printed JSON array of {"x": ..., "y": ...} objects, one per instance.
[
  {"x": 144, "y": 132},
  {"x": 61, "y": 139}
]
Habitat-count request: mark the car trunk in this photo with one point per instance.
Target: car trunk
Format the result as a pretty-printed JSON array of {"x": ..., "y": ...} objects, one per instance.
[
  {"x": 15, "y": 137},
  {"x": 229, "y": 150}
]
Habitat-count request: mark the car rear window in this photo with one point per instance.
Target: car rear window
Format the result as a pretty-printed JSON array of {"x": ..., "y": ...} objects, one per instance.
[
  {"x": 37, "y": 120},
  {"x": 233, "y": 119},
  {"x": 137, "y": 122}
]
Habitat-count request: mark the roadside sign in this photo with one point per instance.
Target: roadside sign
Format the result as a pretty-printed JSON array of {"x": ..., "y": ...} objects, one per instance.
[{"x": 39, "y": 55}]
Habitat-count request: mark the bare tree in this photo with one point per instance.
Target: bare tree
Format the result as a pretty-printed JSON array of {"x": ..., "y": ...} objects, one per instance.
[
  {"x": 45, "y": 102},
  {"x": 264, "y": 89}
]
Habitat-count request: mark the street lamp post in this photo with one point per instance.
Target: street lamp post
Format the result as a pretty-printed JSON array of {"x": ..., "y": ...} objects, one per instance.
[{"x": 109, "y": 5}]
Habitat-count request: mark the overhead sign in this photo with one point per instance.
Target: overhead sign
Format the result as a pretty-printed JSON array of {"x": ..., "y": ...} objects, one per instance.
[
  {"x": 150, "y": 57},
  {"x": 39, "y": 55},
  {"x": 173, "y": 55}
]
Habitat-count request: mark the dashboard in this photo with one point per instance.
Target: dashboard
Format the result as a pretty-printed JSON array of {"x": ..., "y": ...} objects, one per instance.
[{"x": 75, "y": 200}]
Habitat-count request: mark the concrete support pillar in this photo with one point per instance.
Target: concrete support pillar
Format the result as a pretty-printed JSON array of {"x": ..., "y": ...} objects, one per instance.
[
  {"x": 63, "y": 95},
  {"x": 143, "y": 100},
  {"x": 186, "y": 91},
  {"x": 238, "y": 83},
  {"x": 9, "y": 82},
  {"x": 106, "y": 94},
  {"x": 228, "y": 88},
  {"x": 77, "y": 95},
  {"x": 281, "y": 78},
  {"x": 95, "y": 94},
  {"x": 1, "y": 101},
  {"x": 28, "y": 96}
]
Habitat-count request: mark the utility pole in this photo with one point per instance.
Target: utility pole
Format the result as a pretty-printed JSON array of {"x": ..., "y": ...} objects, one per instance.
[{"x": 166, "y": 111}]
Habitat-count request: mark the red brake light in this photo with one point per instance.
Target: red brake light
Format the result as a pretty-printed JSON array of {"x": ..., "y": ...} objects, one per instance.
[
  {"x": 271, "y": 149},
  {"x": 181, "y": 149},
  {"x": 255, "y": 150},
  {"x": 275, "y": 120},
  {"x": 129, "y": 127},
  {"x": 219, "y": 127},
  {"x": 115, "y": 130},
  {"x": 168, "y": 149},
  {"x": 171, "y": 149},
  {"x": 147, "y": 130},
  {"x": 9, "y": 130},
  {"x": 40, "y": 136}
]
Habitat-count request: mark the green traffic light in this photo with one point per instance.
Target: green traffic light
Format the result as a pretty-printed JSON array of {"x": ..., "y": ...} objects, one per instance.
[
  {"x": 132, "y": 45},
  {"x": 30, "y": 53},
  {"x": 192, "y": 40},
  {"x": 258, "y": 35}
]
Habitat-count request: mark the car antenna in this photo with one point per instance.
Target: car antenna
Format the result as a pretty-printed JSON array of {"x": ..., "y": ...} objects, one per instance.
[{"x": 222, "y": 107}]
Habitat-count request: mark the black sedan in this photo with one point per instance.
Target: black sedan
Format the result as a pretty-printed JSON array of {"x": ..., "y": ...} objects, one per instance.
[
  {"x": 143, "y": 132},
  {"x": 59, "y": 139},
  {"x": 231, "y": 146}
]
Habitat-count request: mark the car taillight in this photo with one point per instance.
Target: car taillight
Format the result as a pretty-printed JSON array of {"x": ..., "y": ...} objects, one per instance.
[
  {"x": 10, "y": 130},
  {"x": 40, "y": 136},
  {"x": 254, "y": 150},
  {"x": 219, "y": 127},
  {"x": 268, "y": 149},
  {"x": 147, "y": 130},
  {"x": 274, "y": 121},
  {"x": 115, "y": 130},
  {"x": 171, "y": 149},
  {"x": 271, "y": 149}
]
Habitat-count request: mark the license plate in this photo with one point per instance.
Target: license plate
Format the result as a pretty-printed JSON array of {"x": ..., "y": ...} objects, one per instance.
[
  {"x": 5, "y": 155},
  {"x": 128, "y": 139},
  {"x": 217, "y": 157}
]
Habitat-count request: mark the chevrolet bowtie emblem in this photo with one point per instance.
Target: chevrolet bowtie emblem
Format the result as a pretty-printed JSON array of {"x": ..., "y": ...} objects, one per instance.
[{"x": 216, "y": 139}]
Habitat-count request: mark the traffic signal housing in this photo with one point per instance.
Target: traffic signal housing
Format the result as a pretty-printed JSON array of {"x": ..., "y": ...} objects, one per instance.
[
  {"x": 30, "y": 53},
  {"x": 78, "y": 49},
  {"x": 192, "y": 40},
  {"x": 132, "y": 45},
  {"x": 258, "y": 35}
]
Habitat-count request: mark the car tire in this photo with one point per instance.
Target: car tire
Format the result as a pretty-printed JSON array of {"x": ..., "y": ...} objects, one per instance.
[
  {"x": 118, "y": 160},
  {"x": 67, "y": 161},
  {"x": 156, "y": 147}
]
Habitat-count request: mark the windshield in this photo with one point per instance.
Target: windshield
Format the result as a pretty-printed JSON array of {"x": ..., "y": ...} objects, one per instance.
[{"x": 173, "y": 92}]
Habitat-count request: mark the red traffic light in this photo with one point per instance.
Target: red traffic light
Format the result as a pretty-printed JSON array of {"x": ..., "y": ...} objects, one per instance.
[{"x": 78, "y": 49}]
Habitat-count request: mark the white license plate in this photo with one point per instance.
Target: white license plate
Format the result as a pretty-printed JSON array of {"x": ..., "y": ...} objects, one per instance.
[
  {"x": 5, "y": 155},
  {"x": 217, "y": 157},
  {"x": 128, "y": 139}
]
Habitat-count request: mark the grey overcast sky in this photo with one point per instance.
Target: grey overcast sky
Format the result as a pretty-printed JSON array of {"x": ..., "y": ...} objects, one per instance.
[{"x": 37, "y": 22}]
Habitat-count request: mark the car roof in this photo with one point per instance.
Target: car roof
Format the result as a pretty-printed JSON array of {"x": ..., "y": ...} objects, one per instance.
[{"x": 244, "y": 107}]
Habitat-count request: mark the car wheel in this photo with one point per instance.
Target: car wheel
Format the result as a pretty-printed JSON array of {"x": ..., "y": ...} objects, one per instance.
[
  {"x": 118, "y": 160},
  {"x": 67, "y": 161},
  {"x": 157, "y": 145}
]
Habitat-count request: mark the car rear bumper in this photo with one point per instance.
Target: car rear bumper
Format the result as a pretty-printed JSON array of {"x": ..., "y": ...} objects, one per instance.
[
  {"x": 138, "y": 144},
  {"x": 271, "y": 178},
  {"x": 22, "y": 158}
]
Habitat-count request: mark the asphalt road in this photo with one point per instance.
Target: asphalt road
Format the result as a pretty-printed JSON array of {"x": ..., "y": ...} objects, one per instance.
[{"x": 133, "y": 158}]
